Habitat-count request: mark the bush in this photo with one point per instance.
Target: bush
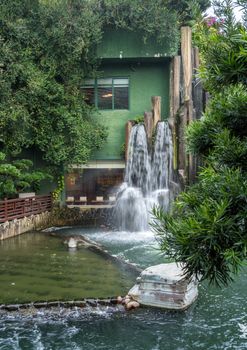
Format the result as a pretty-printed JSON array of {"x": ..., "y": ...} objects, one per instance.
[
  {"x": 207, "y": 229},
  {"x": 16, "y": 177}
]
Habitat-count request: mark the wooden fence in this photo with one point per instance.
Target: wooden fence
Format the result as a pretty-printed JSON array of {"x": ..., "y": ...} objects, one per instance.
[{"x": 11, "y": 209}]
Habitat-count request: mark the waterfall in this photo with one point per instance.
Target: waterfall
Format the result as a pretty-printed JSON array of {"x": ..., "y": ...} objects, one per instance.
[{"x": 147, "y": 177}]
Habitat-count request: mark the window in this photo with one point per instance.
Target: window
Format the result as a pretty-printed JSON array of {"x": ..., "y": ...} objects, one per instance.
[{"x": 107, "y": 93}]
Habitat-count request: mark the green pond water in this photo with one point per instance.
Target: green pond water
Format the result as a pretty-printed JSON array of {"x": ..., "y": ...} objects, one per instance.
[
  {"x": 35, "y": 266},
  {"x": 217, "y": 320}
]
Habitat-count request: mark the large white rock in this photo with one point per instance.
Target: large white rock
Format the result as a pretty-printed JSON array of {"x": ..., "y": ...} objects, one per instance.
[{"x": 165, "y": 286}]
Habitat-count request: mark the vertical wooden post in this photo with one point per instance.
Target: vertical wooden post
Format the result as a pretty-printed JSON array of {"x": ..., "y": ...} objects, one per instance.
[
  {"x": 187, "y": 67},
  {"x": 197, "y": 86},
  {"x": 128, "y": 128},
  {"x": 175, "y": 72},
  {"x": 148, "y": 122},
  {"x": 156, "y": 103},
  {"x": 186, "y": 52},
  {"x": 176, "y": 88}
]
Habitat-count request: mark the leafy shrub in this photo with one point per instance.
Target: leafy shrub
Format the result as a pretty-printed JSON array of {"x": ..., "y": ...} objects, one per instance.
[
  {"x": 16, "y": 177},
  {"x": 207, "y": 229},
  {"x": 227, "y": 109}
]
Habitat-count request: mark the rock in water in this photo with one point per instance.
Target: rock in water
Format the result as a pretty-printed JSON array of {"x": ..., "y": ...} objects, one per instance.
[
  {"x": 166, "y": 287},
  {"x": 80, "y": 241},
  {"x": 132, "y": 305},
  {"x": 72, "y": 243}
]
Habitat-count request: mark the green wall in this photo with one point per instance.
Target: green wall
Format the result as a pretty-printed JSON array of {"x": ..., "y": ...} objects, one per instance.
[{"x": 146, "y": 79}]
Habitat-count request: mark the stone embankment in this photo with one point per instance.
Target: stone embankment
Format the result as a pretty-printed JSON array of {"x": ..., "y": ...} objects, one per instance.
[
  {"x": 57, "y": 217},
  {"x": 18, "y": 226}
]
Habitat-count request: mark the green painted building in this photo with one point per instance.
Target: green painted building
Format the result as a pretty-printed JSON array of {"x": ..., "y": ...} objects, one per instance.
[{"x": 130, "y": 73}]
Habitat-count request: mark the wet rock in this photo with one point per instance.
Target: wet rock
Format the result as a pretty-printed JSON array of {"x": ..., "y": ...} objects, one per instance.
[
  {"x": 26, "y": 306},
  {"x": 80, "y": 241},
  {"x": 13, "y": 307},
  {"x": 91, "y": 302},
  {"x": 80, "y": 303},
  {"x": 132, "y": 305},
  {"x": 126, "y": 300},
  {"x": 105, "y": 302},
  {"x": 72, "y": 243},
  {"x": 113, "y": 301},
  {"x": 68, "y": 304},
  {"x": 39, "y": 305},
  {"x": 54, "y": 303},
  {"x": 119, "y": 299}
]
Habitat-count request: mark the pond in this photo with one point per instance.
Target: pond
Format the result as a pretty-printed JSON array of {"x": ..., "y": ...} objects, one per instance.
[
  {"x": 217, "y": 320},
  {"x": 36, "y": 266}
]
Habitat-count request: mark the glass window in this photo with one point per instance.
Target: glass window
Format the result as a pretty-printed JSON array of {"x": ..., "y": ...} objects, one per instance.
[
  {"x": 104, "y": 97},
  {"x": 107, "y": 93}
]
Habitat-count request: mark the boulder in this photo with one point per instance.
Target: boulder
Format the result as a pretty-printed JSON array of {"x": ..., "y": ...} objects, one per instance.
[{"x": 165, "y": 286}]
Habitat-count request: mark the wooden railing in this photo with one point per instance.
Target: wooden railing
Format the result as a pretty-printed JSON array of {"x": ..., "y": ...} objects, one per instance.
[{"x": 11, "y": 209}]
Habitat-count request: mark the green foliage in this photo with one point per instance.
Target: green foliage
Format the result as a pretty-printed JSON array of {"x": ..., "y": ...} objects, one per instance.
[
  {"x": 206, "y": 229},
  {"x": 227, "y": 109},
  {"x": 229, "y": 151},
  {"x": 16, "y": 177},
  {"x": 200, "y": 136},
  {"x": 152, "y": 19},
  {"x": 223, "y": 48},
  {"x": 188, "y": 10},
  {"x": 47, "y": 49},
  {"x": 58, "y": 191},
  {"x": 139, "y": 119}
]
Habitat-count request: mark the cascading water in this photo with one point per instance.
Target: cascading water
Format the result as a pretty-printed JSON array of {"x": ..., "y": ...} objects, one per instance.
[{"x": 147, "y": 178}]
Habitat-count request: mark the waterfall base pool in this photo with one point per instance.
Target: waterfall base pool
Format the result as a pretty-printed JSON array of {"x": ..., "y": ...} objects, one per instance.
[{"x": 217, "y": 320}]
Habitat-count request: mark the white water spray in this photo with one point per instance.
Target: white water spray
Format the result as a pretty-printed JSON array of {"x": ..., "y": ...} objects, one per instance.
[{"x": 147, "y": 178}]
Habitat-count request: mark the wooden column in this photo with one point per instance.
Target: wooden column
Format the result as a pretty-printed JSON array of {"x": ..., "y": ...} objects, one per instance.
[
  {"x": 187, "y": 69},
  {"x": 197, "y": 86},
  {"x": 128, "y": 128},
  {"x": 148, "y": 122},
  {"x": 175, "y": 73},
  {"x": 156, "y": 104},
  {"x": 186, "y": 52}
]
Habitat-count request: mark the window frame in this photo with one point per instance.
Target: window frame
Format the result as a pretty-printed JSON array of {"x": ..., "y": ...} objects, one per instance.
[{"x": 96, "y": 86}]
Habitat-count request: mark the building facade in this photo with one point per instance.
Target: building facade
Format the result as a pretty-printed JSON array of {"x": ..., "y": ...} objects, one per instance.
[{"x": 131, "y": 72}]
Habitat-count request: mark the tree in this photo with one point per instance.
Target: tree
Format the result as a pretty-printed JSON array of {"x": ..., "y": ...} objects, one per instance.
[
  {"x": 207, "y": 227},
  {"x": 17, "y": 176},
  {"x": 188, "y": 10},
  {"x": 47, "y": 49}
]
